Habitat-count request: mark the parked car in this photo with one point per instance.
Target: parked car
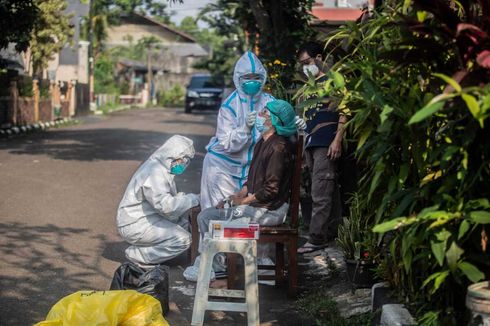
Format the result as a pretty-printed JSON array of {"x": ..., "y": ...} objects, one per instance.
[{"x": 203, "y": 92}]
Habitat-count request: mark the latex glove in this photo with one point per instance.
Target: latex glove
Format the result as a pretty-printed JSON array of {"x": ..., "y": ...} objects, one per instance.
[
  {"x": 300, "y": 123},
  {"x": 251, "y": 119},
  {"x": 194, "y": 199}
]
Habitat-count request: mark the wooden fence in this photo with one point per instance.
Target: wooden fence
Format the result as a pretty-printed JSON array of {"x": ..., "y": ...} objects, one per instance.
[{"x": 60, "y": 102}]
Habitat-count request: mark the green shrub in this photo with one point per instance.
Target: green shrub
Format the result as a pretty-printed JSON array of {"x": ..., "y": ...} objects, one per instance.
[
  {"x": 24, "y": 85},
  {"x": 174, "y": 97},
  {"x": 423, "y": 139},
  {"x": 104, "y": 82}
]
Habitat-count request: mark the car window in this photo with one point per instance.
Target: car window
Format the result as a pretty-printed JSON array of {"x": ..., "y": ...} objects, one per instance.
[{"x": 204, "y": 82}]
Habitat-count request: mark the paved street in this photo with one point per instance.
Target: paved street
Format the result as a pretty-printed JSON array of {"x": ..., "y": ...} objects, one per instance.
[{"x": 59, "y": 192}]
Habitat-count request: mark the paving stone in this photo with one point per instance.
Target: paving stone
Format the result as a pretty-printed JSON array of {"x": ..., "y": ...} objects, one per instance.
[{"x": 396, "y": 315}]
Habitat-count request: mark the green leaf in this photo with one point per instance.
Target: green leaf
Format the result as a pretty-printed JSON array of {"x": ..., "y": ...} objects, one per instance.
[
  {"x": 407, "y": 260},
  {"x": 453, "y": 254},
  {"x": 428, "y": 210},
  {"x": 480, "y": 217},
  {"x": 438, "y": 278},
  {"x": 478, "y": 203},
  {"x": 380, "y": 169},
  {"x": 485, "y": 103},
  {"x": 450, "y": 151},
  {"x": 421, "y": 15},
  {"x": 471, "y": 271},
  {"x": 385, "y": 113},
  {"x": 472, "y": 104},
  {"x": 403, "y": 174},
  {"x": 393, "y": 224},
  {"x": 443, "y": 235},
  {"x": 364, "y": 136},
  {"x": 426, "y": 112},
  {"x": 463, "y": 228},
  {"x": 454, "y": 84},
  {"x": 438, "y": 249},
  {"x": 338, "y": 79},
  {"x": 431, "y": 177},
  {"x": 406, "y": 5}
]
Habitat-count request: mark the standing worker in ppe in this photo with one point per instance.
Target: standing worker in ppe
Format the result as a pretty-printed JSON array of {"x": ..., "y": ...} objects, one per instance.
[
  {"x": 230, "y": 151},
  {"x": 152, "y": 215}
]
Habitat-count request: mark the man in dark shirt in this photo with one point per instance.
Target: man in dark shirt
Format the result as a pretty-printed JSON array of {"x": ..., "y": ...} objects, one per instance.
[{"x": 325, "y": 128}]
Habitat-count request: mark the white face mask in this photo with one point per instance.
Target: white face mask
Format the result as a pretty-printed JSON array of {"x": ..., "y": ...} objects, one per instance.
[{"x": 311, "y": 70}]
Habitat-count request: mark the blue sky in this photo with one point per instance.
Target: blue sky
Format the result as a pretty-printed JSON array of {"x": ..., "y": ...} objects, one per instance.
[{"x": 188, "y": 8}]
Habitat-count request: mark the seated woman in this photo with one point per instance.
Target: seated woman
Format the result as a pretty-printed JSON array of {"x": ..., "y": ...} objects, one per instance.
[
  {"x": 153, "y": 216},
  {"x": 263, "y": 198}
]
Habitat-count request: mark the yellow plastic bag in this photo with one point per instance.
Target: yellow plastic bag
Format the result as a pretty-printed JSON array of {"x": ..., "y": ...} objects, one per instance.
[{"x": 107, "y": 308}]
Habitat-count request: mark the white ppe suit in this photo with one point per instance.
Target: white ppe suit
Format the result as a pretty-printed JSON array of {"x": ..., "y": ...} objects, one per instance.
[
  {"x": 229, "y": 153},
  {"x": 152, "y": 215}
]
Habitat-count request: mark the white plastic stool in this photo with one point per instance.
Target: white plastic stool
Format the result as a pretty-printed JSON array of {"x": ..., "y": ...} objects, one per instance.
[{"x": 248, "y": 249}]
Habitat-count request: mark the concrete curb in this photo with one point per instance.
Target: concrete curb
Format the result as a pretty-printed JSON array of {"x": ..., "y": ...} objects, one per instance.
[
  {"x": 119, "y": 108},
  {"x": 14, "y": 131}
]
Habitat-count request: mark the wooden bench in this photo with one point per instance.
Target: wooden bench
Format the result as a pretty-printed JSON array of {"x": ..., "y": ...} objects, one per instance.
[{"x": 284, "y": 237}]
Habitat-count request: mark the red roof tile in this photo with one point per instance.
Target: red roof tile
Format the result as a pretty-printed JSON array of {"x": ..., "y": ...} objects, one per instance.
[{"x": 336, "y": 14}]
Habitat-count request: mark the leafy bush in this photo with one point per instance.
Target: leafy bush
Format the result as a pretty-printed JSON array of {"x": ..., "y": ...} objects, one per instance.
[
  {"x": 24, "y": 84},
  {"x": 354, "y": 234},
  {"x": 174, "y": 97},
  {"x": 422, "y": 137},
  {"x": 104, "y": 82}
]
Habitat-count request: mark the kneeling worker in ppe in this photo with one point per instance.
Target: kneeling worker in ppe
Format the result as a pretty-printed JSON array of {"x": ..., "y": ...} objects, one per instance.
[
  {"x": 264, "y": 196},
  {"x": 153, "y": 216}
]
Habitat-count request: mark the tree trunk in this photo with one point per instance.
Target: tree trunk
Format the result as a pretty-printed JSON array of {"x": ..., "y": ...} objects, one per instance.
[{"x": 261, "y": 16}]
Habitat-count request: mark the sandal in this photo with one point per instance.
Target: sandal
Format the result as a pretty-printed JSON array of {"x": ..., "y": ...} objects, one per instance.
[{"x": 309, "y": 247}]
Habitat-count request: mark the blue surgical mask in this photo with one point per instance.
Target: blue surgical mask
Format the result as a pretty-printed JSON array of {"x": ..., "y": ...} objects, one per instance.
[
  {"x": 178, "y": 167},
  {"x": 251, "y": 87},
  {"x": 260, "y": 124}
]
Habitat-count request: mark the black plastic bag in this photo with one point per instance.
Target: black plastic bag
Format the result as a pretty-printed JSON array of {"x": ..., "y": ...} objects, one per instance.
[{"x": 154, "y": 282}]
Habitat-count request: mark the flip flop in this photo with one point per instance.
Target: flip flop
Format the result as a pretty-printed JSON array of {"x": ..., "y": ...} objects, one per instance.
[{"x": 309, "y": 247}]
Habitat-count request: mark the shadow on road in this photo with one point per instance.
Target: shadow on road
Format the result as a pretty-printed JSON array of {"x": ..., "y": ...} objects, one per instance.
[
  {"x": 97, "y": 144},
  {"x": 32, "y": 280}
]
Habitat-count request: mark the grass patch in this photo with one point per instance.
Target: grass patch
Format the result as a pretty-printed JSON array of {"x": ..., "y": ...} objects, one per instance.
[{"x": 319, "y": 305}]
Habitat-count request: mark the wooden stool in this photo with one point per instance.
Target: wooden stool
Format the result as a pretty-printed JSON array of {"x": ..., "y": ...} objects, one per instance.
[{"x": 248, "y": 249}]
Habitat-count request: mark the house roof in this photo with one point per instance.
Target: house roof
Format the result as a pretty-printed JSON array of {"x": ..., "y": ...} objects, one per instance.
[
  {"x": 185, "y": 36},
  {"x": 186, "y": 50},
  {"x": 335, "y": 15},
  {"x": 11, "y": 59},
  {"x": 136, "y": 65}
]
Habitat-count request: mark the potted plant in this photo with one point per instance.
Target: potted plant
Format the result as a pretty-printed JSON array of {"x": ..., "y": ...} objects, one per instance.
[{"x": 359, "y": 245}]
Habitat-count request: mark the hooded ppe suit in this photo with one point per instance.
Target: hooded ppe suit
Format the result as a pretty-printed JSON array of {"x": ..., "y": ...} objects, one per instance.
[
  {"x": 152, "y": 215},
  {"x": 229, "y": 152}
]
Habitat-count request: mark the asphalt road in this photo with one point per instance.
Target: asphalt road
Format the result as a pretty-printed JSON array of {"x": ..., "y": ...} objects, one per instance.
[{"x": 59, "y": 191}]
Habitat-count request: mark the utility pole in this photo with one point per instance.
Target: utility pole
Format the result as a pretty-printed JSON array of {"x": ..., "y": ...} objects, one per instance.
[
  {"x": 91, "y": 58},
  {"x": 150, "y": 73}
]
